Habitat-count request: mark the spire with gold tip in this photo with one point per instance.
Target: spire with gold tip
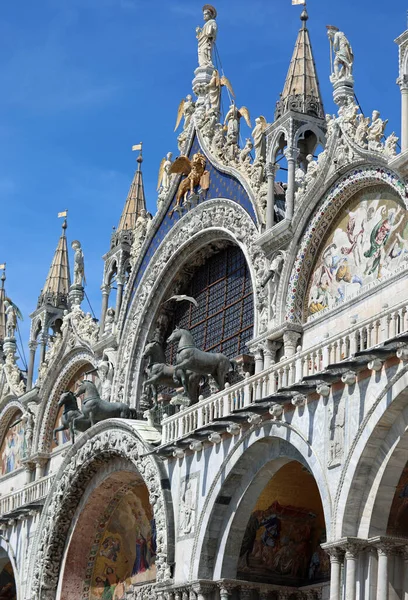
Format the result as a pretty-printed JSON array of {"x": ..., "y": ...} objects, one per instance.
[
  {"x": 57, "y": 284},
  {"x": 301, "y": 92},
  {"x": 135, "y": 201}
]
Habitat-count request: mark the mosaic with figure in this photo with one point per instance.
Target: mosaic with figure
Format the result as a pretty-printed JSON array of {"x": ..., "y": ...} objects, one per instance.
[
  {"x": 368, "y": 242},
  {"x": 282, "y": 540},
  {"x": 125, "y": 551},
  {"x": 14, "y": 445},
  {"x": 221, "y": 185}
]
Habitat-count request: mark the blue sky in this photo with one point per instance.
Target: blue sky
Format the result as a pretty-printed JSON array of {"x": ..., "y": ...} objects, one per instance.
[{"x": 83, "y": 80}]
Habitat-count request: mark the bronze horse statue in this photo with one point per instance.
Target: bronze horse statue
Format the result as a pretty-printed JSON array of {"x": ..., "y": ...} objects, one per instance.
[
  {"x": 71, "y": 413},
  {"x": 190, "y": 358},
  {"x": 159, "y": 373},
  {"x": 96, "y": 409}
]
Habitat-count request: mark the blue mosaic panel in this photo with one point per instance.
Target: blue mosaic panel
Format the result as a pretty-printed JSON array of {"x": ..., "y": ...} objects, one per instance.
[{"x": 221, "y": 186}]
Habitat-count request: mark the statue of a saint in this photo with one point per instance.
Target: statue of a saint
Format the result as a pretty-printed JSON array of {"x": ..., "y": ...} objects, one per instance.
[
  {"x": 12, "y": 313},
  {"x": 343, "y": 54},
  {"x": 79, "y": 268},
  {"x": 206, "y": 36},
  {"x": 376, "y": 131},
  {"x": 258, "y": 135}
]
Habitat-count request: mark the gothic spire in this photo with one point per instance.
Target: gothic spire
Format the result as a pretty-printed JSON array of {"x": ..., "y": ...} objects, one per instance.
[
  {"x": 301, "y": 92},
  {"x": 135, "y": 200},
  {"x": 57, "y": 284}
]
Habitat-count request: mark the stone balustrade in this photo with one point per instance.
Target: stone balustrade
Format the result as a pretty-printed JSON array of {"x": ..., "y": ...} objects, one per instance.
[
  {"x": 30, "y": 494},
  {"x": 359, "y": 337}
]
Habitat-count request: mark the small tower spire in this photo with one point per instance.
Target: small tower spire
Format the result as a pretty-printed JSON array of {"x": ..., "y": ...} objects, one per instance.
[
  {"x": 52, "y": 301},
  {"x": 135, "y": 200},
  {"x": 301, "y": 92},
  {"x": 57, "y": 284}
]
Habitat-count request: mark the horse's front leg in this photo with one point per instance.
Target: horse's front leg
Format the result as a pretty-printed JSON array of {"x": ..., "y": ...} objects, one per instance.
[{"x": 54, "y": 433}]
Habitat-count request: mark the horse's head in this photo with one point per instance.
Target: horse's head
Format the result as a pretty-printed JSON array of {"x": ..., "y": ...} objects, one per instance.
[
  {"x": 82, "y": 388},
  {"x": 175, "y": 336},
  {"x": 149, "y": 349},
  {"x": 67, "y": 398}
]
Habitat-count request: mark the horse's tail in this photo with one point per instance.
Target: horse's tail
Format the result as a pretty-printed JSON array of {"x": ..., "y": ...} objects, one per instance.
[{"x": 233, "y": 366}]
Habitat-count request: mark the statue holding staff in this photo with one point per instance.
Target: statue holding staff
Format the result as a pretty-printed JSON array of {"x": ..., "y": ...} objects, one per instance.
[{"x": 342, "y": 67}]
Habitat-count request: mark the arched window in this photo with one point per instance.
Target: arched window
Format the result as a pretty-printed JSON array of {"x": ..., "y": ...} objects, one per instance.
[{"x": 224, "y": 319}]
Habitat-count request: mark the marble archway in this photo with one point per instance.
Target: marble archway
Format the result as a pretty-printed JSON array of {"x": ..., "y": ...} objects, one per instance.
[{"x": 87, "y": 464}]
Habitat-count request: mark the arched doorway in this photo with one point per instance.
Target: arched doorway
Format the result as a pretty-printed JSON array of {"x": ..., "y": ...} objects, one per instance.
[{"x": 281, "y": 544}]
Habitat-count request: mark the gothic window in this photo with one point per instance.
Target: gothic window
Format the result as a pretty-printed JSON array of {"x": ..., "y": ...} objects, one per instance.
[{"x": 223, "y": 321}]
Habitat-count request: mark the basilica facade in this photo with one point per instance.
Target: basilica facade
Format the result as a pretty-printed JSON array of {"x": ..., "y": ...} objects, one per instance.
[{"x": 234, "y": 425}]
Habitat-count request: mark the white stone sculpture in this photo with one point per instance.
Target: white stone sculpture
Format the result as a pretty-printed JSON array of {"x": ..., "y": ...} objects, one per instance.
[
  {"x": 106, "y": 372},
  {"x": 109, "y": 321},
  {"x": 390, "y": 148},
  {"x": 11, "y": 318},
  {"x": 348, "y": 117},
  {"x": 79, "y": 267},
  {"x": 185, "y": 109},
  {"x": 214, "y": 90},
  {"x": 312, "y": 168},
  {"x": 164, "y": 179},
  {"x": 206, "y": 36},
  {"x": 258, "y": 135},
  {"x": 376, "y": 131},
  {"x": 141, "y": 228},
  {"x": 245, "y": 155},
  {"x": 209, "y": 124},
  {"x": 361, "y": 136},
  {"x": 343, "y": 54}
]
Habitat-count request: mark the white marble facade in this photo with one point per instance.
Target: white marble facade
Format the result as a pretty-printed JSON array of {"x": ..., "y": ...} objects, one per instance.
[{"x": 292, "y": 481}]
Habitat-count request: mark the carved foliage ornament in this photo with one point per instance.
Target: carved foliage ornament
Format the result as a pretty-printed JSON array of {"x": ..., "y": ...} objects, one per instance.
[
  {"x": 222, "y": 214},
  {"x": 67, "y": 492}
]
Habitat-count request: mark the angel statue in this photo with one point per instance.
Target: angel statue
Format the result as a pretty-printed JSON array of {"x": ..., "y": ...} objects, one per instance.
[
  {"x": 79, "y": 268},
  {"x": 12, "y": 314},
  {"x": 164, "y": 172},
  {"x": 214, "y": 89},
  {"x": 343, "y": 54},
  {"x": 258, "y": 135},
  {"x": 232, "y": 119},
  {"x": 186, "y": 109},
  {"x": 206, "y": 36},
  {"x": 196, "y": 175}
]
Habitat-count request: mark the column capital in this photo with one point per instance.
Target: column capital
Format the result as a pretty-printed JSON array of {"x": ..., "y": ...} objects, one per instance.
[
  {"x": 203, "y": 587},
  {"x": 271, "y": 169},
  {"x": 349, "y": 546},
  {"x": 105, "y": 288},
  {"x": 386, "y": 545},
  {"x": 33, "y": 344},
  {"x": 402, "y": 81},
  {"x": 291, "y": 153}
]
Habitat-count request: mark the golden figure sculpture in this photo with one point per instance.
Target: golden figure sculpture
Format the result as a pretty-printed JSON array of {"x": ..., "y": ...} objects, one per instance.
[{"x": 196, "y": 174}]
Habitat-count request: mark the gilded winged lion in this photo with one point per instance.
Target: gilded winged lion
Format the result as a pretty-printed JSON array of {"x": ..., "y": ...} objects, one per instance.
[{"x": 194, "y": 169}]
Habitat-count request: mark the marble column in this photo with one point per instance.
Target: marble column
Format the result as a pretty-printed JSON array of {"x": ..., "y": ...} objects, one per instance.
[
  {"x": 383, "y": 551},
  {"x": 403, "y": 83},
  {"x": 405, "y": 571},
  {"x": 105, "y": 301},
  {"x": 33, "y": 347},
  {"x": 352, "y": 551},
  {"x": 271, "y": 170},
  {"x": 119, "y": 296},
  {"x": 225, "y": 591},
  {"x": 291, "y": 155},
  {"x": 259, "y": 361},
  {"x": 290, "y": 342},
  {"x": 336, "y": 562}
]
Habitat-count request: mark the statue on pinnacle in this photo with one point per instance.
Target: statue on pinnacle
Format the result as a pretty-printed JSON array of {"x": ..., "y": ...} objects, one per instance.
[
  {"x": 342, "y": 67},
  {"x": 206, "y": 36}
]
